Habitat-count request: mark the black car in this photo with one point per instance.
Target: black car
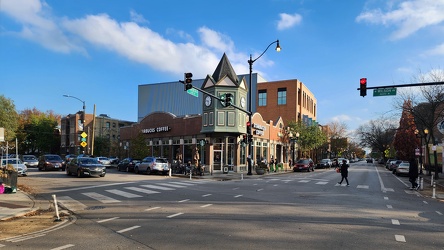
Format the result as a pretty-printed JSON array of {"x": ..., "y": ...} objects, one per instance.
[
  {"x": 127, "y": 164},
  {"x": 85, "y": 166},
  {"x": 51, "y": 162}
]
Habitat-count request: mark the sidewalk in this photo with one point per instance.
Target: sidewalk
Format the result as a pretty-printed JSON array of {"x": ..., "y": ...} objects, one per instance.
[{"x": 17, "y": 204}]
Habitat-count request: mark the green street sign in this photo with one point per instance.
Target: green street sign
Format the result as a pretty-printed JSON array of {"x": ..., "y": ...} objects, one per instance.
[
  {"x": 193, "y": 92},
  {"x": 384, "y": 92}
]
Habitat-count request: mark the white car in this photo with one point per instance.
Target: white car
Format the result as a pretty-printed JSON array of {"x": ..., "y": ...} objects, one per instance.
[
  {"x": 21, "y": 168},
  {"x": 30, "y": 160},
  {"x": 104, "y": 160}
]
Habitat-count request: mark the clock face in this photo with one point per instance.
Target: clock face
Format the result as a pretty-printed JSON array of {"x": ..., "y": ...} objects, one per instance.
[
  {"x": 208, "y": 101},
  {"x": 243, "y": 102}
]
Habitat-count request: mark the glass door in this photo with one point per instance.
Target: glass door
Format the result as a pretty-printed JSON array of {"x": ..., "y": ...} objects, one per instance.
[{"x": 218, "y": 160}]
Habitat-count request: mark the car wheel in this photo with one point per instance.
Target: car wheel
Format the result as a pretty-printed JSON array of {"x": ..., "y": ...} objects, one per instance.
[
  {"x": 79, "y": 174},
  {"x": 127, "y": 169},
  {"x": 148, "y": 171},
  {"x": 136, "y": 170},
  {"x": 102, "y": 175},
  {"x": 44, "y": 168}
]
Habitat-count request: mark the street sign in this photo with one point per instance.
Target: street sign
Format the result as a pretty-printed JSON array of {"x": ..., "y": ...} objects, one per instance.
[
  {"x": 193, "y": 92},
  {"x": 83, "y": 144},
  {"x": 384, "y": 92},
  {"x": 83, "y": 135}
]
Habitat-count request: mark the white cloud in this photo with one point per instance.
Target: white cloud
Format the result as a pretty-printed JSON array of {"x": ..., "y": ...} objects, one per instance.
[
  {"x": 38, "y": 25},
  {"x": 437, "y": 51},
  {"x": 287, "y": 21},
  {"x": 137, "y": 18},
  {"x": 409, "y": 17}
]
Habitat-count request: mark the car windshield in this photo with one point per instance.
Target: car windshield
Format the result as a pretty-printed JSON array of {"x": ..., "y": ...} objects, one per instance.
[
  {"x": 323, "y": 161},
  {"x": 12, "y": 161},
  {"x": 88, "y": 161},
  {"x": 303, "y": 162},
  {"x": 161, "y": 160},
  {"x": 53, "y": 158},
  {"x": 27, "y": 158}
]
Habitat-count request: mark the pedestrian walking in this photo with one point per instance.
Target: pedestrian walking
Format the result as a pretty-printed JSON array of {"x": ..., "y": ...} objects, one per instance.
[
  {"x": 413, "y": 173},
  {"x": 344, "y": 172}
]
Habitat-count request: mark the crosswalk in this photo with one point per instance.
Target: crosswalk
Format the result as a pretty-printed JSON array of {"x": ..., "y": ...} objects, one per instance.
[{"x": 114, "y": 195}]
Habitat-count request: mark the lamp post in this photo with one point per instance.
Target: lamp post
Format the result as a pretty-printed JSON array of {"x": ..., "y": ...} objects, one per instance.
[
  {"x": 83, "y": 115},
  {"x": 250, "y": 135}
]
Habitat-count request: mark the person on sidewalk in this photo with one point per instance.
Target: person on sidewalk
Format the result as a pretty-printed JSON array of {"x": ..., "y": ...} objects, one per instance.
[
  {"x": 413, "y": 173},
  {"x": 344, "y": 172}
]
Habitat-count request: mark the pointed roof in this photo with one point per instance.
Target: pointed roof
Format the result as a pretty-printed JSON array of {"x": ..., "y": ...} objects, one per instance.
[{"x": 223, "y": 69}]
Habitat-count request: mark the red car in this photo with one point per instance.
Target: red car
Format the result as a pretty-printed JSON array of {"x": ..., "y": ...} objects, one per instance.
[{"x": 304, "y": 164}]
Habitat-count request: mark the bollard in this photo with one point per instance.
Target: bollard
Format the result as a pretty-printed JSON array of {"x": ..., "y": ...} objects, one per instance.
[
  {"x": 421, "y": 183},
  {"x": 170, "y": 172},
  {"x": 242, "y": 174},
  {"x": 56, "y": 207},
  {"x": 431, "y": 180},
  {"x": 434, "y": 193},
  {"x": 191, "y": 173}
]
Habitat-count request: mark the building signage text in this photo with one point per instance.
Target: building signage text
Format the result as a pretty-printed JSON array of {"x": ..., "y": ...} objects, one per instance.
[
  {"x": 156, "y": 130},
  {"x": 259, "y": 129}
]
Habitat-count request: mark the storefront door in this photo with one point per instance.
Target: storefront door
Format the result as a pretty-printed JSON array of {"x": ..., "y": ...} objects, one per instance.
[{"x": 218, "y": 160}]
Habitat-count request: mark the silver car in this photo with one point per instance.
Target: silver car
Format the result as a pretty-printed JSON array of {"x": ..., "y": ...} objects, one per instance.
[
  {"x": 21, "y": 168},
  {"x": 30, "y": 160},
  {"x": 153, "y": 165}
]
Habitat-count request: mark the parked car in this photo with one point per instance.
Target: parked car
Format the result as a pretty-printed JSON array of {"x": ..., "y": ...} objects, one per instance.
[
  {"x": 369, "y": 160},
  {"x": 21, "y": 168},
  {"x": 394, "y": 165},
  {"x": 85, "y": 166},
  {"x": 114, "y": 160},
  {"x": 304, "y": 164},
  {"x": 324, "y": 163},
  {"x": 69, "y": 157},
  {"x": 153, "y": 165},
  {"x": 403, "y": 169},
  {"x": 127, "y": 164},
  {"x": 51, "y": 162},
  {"x": 388, "y": 162},
  {"x": 104, "y": 160},
  {"x": 30, "y": 160}
]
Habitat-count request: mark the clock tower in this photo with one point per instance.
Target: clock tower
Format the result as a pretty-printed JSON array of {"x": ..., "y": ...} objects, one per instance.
[{"x": 216, "y": 118}]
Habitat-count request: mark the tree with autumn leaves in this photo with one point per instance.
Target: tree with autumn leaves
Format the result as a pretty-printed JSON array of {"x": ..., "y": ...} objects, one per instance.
[{"x": 405, "y": 141}]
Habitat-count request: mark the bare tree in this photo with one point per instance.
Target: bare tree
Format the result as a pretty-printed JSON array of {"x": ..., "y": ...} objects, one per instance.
[{"x": 377, "y": 135}]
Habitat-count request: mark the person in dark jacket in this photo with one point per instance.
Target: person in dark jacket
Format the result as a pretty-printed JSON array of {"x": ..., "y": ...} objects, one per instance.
[
  {"x": 344, "y": 172},
  {"x": 413, "y": 173}
]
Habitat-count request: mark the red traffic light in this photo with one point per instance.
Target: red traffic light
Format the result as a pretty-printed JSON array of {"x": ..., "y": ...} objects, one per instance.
[
  {"x": 363, "y": 81},
  {"x": 248, "y": 124}
]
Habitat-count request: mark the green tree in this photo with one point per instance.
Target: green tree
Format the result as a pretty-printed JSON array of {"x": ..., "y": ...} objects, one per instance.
[
  {"x": 101, "y": 146},
  {"x": 310, "y": 136},
  {"x": 8, "y": 118},
  {"x": 138, "y": 147}
]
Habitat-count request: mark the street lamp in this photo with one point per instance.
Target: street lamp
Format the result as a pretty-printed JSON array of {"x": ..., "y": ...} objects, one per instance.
[
  {"x": 83, "y": 115},
  {"x": 294, "y": 141},
  {"x": 250, "y": 135}
]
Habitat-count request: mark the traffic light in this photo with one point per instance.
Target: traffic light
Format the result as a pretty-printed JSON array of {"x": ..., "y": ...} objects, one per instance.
[
  {"x": 249, "y": 128},
  {"x": 228, "y": 99},
  {"x": 363, "y": 86},
  {"x": 250, "y": 138},
  {"x": 187, "y": 81},
  {"x": 244, "y": 138}
]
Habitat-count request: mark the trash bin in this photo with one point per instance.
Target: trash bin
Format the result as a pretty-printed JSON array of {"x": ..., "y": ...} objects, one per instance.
[{"x": 9, "y": 178}]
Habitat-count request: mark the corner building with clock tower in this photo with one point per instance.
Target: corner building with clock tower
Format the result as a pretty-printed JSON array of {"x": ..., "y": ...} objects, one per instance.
[{"x": 216, "y": 132}]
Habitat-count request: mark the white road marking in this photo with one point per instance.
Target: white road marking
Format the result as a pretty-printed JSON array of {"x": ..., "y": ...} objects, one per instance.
[
  {"x": 205, "y": 195},
  {"x": 321, "y": 182},
  {"x": 304, "y": 181},
  {"x": 386, "y": 198},
  {"x": 395, "y": 222},
  {"x": 206, "y": 205},
  {"x": 70, "y": 204},
  {"x": 101, "y": 198},
  {"x": 260, "y": 189},
  {"x": 123, "y": 193},
  {"x": 184, "y": 200},
  {"x": 142, "y": 190},
  {"x": 362, "y": 186},
  {"x": 88, "y": 187},
  {"x": 400, "y": 238},
  {"x": 174, "y": 215},
  {"x": 152, "y": 208},
  {"x": 183, "y": 183},
  {"x": 389, "y": 190},
  {"x": 172, "y": 185},
  {"x": 438, "y": 212},
  {"x": 425, "y": 202},
  {"x": 237, "y": 196},
  {"x": 63, "y": 247},
  {"x": 127, "y": 229},
  {"x": 157, "y": 187},
  {"x": 389, "y": 206},
  {"x": 106, "y": 220}
]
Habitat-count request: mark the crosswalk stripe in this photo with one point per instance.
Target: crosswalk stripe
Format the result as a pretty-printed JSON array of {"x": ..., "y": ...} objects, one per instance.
[
  {"x": 101, "y": 198},
  {"x": 183, "y": 183},
  {"x": 157, "y": 187},
  {"x": 321, "y": 182},
  {"x": 141, "y": 190},
  {"x": 70, "y": 204},
  {"x": 171, "y": 185},
  {"x": 123, "y": 193}
]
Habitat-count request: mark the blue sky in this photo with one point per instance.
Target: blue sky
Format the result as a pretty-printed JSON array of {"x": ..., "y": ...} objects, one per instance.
[{"x": 100, "y": 51}]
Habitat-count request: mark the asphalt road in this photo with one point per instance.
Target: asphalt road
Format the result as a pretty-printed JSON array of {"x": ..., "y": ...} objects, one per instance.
[{"x": 288, "y": 211}]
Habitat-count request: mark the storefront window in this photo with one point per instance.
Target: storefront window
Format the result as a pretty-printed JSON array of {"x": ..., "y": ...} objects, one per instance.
[
  {"x": 243, "y": 152},
  {"x": 265, "y": 150},
  {"x": 258, "y": 152}
]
